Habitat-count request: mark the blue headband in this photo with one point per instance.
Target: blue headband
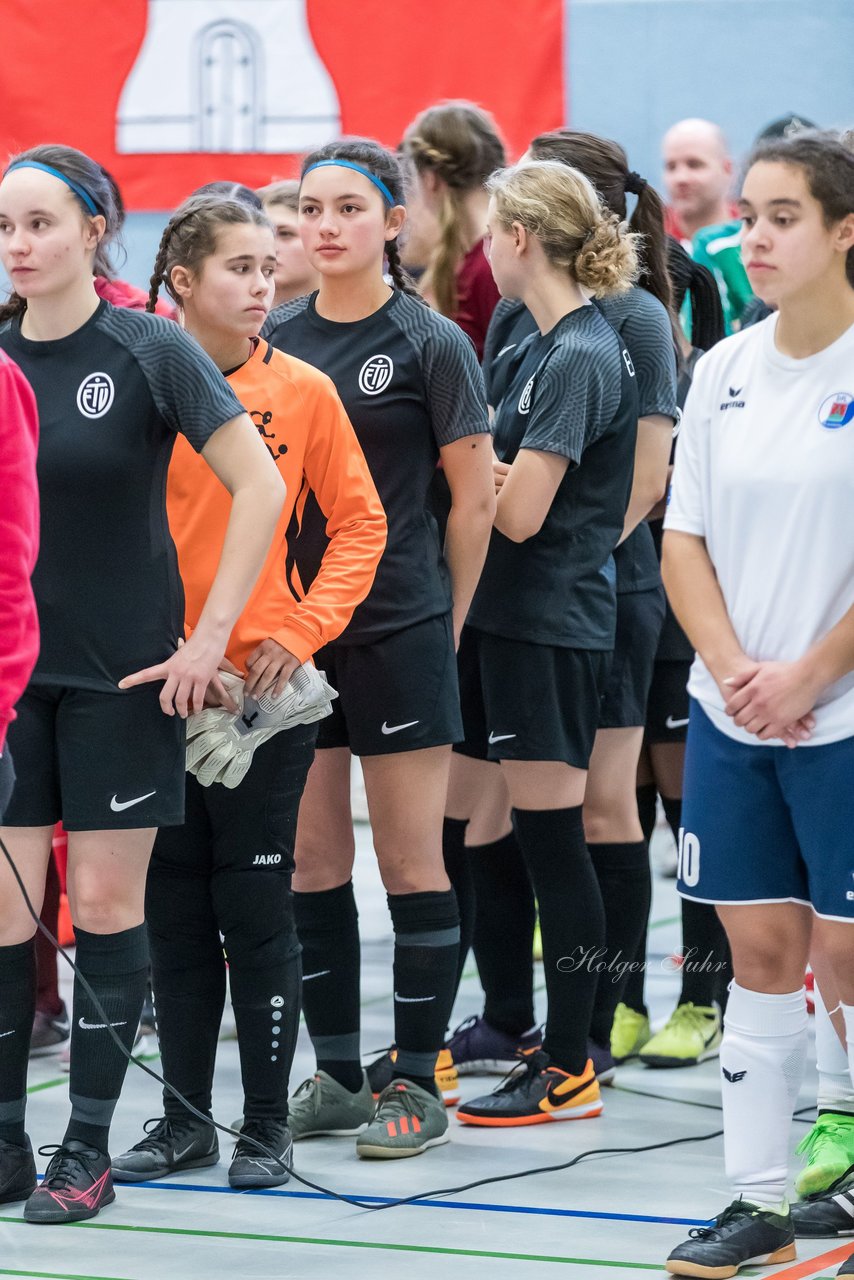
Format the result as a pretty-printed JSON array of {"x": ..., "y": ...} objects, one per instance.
[
  {"x": 348, "y": 164},
  {"x": 46, "y": 168}
]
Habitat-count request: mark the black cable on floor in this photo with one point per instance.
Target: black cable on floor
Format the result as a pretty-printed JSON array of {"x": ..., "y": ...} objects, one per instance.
[{"x": 271, "y": 1155}]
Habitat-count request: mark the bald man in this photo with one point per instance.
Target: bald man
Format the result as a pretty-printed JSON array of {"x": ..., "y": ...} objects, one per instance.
[{"x": 698, "y": 177}]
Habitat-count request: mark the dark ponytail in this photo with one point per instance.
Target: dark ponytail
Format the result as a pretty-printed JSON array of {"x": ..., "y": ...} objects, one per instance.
[
  {"x": 695, "y": 280},
  {"x": 385, "y": 166},
  {"x": 605, "y": 164},
  {"x": 101, "y": 187}
]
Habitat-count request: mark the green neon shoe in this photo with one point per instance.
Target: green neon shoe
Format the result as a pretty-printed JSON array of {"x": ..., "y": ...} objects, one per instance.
[
  {"x": 692, "y": 1034},
  {"x": 828, "y": 1149},
  {"x": 629, "y": 1033}
]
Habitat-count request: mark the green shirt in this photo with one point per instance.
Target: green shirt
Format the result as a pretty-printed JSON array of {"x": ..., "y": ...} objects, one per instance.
[{"x": 719, "y": 248}]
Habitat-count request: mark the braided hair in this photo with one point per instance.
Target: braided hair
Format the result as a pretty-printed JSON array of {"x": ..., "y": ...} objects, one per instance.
[
  {"x": 459, "y": 143},
  {"x": 385, "y": 166},
  {"x": 190, "y": 236}
]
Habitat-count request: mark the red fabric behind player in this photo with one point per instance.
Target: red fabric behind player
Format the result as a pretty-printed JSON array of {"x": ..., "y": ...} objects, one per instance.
[
  {"x": 19, "y": 537},
  {"x": 383, "y": 67}
]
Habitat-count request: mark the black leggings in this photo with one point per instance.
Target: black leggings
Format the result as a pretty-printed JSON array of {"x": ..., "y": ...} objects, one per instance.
[{"x": 227, "y": 872}]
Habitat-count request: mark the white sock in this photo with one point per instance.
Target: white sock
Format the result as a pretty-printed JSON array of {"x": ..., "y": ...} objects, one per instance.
[
  {"x": 848, "y": 1015},
  {"x": 763, "y": 1056},
  {"x": 835, "y": 1090}
]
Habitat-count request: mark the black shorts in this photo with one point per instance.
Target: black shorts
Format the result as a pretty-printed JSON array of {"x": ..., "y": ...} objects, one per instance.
[
  {"x": 98, "y": 761},
  {"x": 524, "y": 701},
  {"x": 640, "y": 615},
  {"x": 667, "y": 707},
  {"x": 397, "y": 694}
]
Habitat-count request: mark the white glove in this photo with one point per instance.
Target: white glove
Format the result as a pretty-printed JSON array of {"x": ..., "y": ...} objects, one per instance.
[{"x": 221, "y": 744}]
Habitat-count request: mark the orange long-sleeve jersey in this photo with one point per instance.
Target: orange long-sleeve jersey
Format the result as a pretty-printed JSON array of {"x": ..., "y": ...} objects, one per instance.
[{"x": 306, "y": 429}]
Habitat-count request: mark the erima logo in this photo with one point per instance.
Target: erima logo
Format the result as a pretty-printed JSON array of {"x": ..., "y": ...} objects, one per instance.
[
  {"x": 95, "y": 395},
  {"x": 525, "y": 398},
  {"x": 267, "y": 859},
  {"x": 733, "y": 1076},
  {"x": 733, "y": 402},
  {"x": 376, "y": 374}
]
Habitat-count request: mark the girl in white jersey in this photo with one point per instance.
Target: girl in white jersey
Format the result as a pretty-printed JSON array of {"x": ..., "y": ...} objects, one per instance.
[{"x": 759, "y": 567}]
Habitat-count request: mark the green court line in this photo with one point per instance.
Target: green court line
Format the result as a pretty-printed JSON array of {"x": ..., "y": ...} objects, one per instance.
[
  {"x": 357, "y": 1244},
  {"x": 658, "y": 924},
  {"x": 55, "y": 1275}
]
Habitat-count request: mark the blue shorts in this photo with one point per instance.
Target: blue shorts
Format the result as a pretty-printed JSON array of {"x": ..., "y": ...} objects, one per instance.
[{"x": 767, "y": 824}]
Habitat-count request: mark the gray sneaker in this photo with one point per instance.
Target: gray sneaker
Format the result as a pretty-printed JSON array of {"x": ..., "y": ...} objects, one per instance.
[
  {"x": 169, "y": 1147},
  {"x": 50, "y": 1031},
  {"x": 250, "y": 1167},
  {"x": 407, "y": 1121},
  {"x": 322, "y": 1106}
]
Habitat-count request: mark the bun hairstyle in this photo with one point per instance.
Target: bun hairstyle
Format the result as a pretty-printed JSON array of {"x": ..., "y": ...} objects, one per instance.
[
  {"x": 382, "y": 164},
  {"x": 695, "y": 280},
  {"x": 606, "y": 165},
  {"x": 827, "y": 160},
  {"x": 460, "y": 143},
  {"x": 559, "y": 206},
  {"x": 103, "y": 190},
  {"x": 190, "y": 236}
]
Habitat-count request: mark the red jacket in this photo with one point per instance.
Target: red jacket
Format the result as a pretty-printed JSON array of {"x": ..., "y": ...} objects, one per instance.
[{"x": 19, "y": 537}]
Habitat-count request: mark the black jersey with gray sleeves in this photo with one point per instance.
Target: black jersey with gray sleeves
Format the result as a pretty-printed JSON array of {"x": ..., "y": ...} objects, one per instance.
[
  {"x": 111, "y": 397},
  {"x": 410, "y": 383},
  {"x": 644, "y": 326},
  {"x": 572, "y": 393}
]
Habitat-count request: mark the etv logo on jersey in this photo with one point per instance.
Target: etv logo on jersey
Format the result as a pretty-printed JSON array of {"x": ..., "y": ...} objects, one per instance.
[
  {"x": 376, "y": 374},
  {"x": 836, "y": 411},
  {"x": 95, "y": 395}
]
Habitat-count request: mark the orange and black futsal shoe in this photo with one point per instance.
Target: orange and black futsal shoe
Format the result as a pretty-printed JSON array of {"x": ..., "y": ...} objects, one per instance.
[{"x": 537, "y": 1091}]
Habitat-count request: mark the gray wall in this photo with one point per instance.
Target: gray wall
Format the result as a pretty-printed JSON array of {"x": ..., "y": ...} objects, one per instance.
[{"x": 636, "y": 66}]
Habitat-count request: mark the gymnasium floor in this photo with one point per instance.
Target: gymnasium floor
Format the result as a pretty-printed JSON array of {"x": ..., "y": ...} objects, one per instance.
[{"x": 610, "y": 1215}]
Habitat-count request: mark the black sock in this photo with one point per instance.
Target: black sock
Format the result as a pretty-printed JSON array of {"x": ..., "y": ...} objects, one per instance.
[
  {"x": 504, "y": 934},
  {"x": 458, "y": 871},
  {"x": 572, "y": 923},
  {"x": 624, "y": 881},
  {"x": 188, "y": 978},
  {"x": 426, "y": 944},
  {"x": 707, "y": 967},
  {"x": 328, "y": 929},
  {"x": 17, "y": 1010},
  {"x": 672, "y": 807},
  {"x": 647, "y": 797},
  {"x": 265, "y": 977},
  {"x": 116, "y": 968},
  {"x": 633, "y": 992}
]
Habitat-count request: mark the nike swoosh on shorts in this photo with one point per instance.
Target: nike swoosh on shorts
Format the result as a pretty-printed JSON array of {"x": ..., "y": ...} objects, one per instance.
[
  {"x": 413, "y": 999},
  {"x": 499, "y": 737},
  {"x": 396, "y": 728},
  {"x": 670, "y": 723},
  {"x": 118, "y": 805},
  {"x": 321, "y": 973}
]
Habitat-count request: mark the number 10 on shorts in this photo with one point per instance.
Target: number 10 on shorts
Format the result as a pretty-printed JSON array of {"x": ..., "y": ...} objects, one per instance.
[{"x": 688, "y": 866}]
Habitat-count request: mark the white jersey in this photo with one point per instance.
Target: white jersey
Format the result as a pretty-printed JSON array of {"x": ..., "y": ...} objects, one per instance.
[{"x": 765, "y": 474}]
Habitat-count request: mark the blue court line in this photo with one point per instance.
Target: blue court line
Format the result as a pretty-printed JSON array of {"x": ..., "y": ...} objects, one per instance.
[{"x": 418, "y": 1204}]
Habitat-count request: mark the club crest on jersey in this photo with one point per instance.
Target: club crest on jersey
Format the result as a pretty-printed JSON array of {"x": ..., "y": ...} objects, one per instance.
[
  {"x": 525, "y": 398},
  {"x": 836, "y": 411},
  {"x": 95, "y": 395},
  {"x": 376, "y": 374}
]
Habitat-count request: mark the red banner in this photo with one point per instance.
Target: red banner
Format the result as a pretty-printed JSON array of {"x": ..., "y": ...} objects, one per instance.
[{"x": 168, "y": 94}]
